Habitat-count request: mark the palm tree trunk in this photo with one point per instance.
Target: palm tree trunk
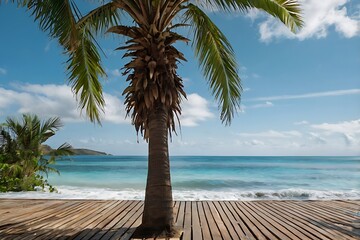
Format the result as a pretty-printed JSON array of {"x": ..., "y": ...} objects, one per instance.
[{"x": 158, "y": 209}]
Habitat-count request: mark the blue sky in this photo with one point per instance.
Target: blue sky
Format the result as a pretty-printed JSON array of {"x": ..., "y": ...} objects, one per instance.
[{"x": 301, "y": 92}]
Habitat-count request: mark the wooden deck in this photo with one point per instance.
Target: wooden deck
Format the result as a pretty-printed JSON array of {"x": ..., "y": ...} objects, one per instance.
[{"x": 91, "y": 219}]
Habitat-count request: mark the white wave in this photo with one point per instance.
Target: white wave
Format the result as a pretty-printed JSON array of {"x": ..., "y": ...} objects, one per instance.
[{"x": 67, "y": 192}]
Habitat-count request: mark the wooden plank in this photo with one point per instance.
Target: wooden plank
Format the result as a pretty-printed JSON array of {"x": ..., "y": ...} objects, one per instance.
[
  {"x": 135, "y": 224},
  {"x": 214, "y": 231},
  {"x": 264, "y": 230},
  {"x": 133, "y": 217},
  {"x": 32, "y": 221},
  {"x": 272, "y": 226},
  {"x": 297, "y": 220},
  {"x": 50, "y": 227},
  {"x": 226, "y": 221},
  {"x": 98, "y": 221},
  {"x": 339, "y": 207},
  {"x": 118, "y": 218},
  {"x": 219, "y": 221},
  {"x": 17, "y": 213},
  {"x": 176, "y": 210},
  {"x": 313, "y": 221},
  {"x": 327, "y": 213},
  {"x": 323, "y": 220},
  {"x": 243, "y": 230},
  {"x": 195, "y": 222},
  {"x": 246, "y": 223},
  {"x": 278, "y": 221},
  {"x": 286, "y": 221},
  {"x": 56, "y": 222},
  {"x": 121, "y": 226},
  {"x": 353, "y": 202},
  {"x": 112, "y": 219},
  {"x": 180, "y": 216},
  {"x": 205, "y": 231},
  {"x": 187, "y": 221}
]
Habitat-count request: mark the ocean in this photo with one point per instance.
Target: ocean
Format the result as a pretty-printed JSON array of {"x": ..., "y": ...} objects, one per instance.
[{"x": 207, "y": 178}]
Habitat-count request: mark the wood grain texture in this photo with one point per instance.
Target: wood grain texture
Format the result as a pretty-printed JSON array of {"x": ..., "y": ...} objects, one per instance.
[{"x": 201, "y": 220}]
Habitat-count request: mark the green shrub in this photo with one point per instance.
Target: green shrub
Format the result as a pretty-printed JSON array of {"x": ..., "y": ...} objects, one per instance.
[{"x": 22, "y": 164}]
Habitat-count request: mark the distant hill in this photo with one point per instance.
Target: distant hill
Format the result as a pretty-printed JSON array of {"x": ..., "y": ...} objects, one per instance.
[
  {"x": 77, "y": 151},
  {"x": 84, "y": 151}
]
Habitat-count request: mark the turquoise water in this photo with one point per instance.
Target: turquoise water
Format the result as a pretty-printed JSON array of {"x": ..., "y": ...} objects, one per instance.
[{"x": 202, "y": 177}]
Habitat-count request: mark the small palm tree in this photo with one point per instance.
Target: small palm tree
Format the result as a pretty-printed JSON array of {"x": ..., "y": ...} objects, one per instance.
[
  {"x": 155, "y": 90},
  {"x": 29, "y": 134}
]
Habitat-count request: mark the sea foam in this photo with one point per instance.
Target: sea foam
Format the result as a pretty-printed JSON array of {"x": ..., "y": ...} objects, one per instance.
[{"x": 68, "y": 192}]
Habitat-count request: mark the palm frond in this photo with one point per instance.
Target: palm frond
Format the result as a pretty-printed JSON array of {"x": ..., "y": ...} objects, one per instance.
[
  {"x": 64, "y": 150},
  {"x": 49, "y": 127},
  {"x": 20, "y": 3},
  {"x": 101, "y": 18},
  {"x": 288, "y": 11},
  {"x": 84, "y": 66},
  {"x": 217, "y": 60},
  {"x": 42, "y": 165},
  {"x": 59, "y": 18}
]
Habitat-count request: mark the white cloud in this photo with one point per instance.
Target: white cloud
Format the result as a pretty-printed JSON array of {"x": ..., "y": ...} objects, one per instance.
[
  {"x": 301, "y": 123},
  {"x": 194, "y": 110},
  {"x": 98, "y": 141},
  {"x": 255, "y": 75},
  {"x": 346, "y": 127},
  {"x": 348, "y": 130},
  {"x": 272, "y": 134},
  {"x": 266, "y": 104},
  {"x": 262, "y": 105},
  {"x": 349, "y": 139},
  {"x": 3, "y": 71},
  {"x": 56, "y": 100},
  {"x": 116, "y": 73},
  {"x": 114, "y": 109},
  {"x": 317, "y": 138},
  {"x": 254, "y": 13},
  {"x": 309, "y": 95},
  {"x": 185, "y": 143},
  {"x": 47, "y": 47},
  {"x": 319, "y": 17},
  {"x": 253, "y": 142},
  {"x": 342, "y": 138}
]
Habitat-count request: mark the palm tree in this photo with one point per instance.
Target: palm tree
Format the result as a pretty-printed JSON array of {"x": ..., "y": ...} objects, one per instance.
[
  {"x": 22, "y": 163},
  {"x": 155, "y": 90},
  {"x": 29, "y": 134}
]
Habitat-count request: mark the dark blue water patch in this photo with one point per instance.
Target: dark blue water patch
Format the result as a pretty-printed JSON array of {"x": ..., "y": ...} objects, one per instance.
[
  {"x": 211, "y": 184},
  {"x": 108, "y": 158},
  {"x": 98, "y": 168},
  {"x": 207, "y": 184},
  {"x": 272, "y": 159}
]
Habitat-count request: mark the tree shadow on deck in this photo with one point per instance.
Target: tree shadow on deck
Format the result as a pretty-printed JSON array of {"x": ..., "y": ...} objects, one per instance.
[
  {"x": 66, "y": 233},
  {"x": 339, "y": 228}
]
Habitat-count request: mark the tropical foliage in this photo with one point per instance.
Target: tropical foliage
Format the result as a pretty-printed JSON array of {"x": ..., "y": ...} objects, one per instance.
[
  {"x": 153, "y": 97},
  {"x": 23, "y": 167}
]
